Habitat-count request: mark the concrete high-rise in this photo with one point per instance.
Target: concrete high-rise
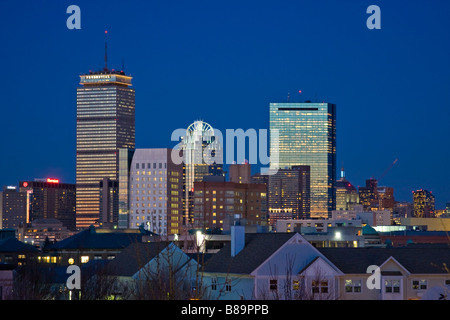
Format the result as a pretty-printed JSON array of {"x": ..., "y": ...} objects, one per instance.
[
  {"x": 156, "y": 192},
  {"x": 305, "y": 134},
  {"x": 105, "y": 124}
]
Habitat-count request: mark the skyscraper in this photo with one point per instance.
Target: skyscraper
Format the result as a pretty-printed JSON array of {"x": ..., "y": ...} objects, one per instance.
[
  {"x": 202, "y": 156},
  {"x": 424, "y": 204},
  {"x": 50, "y": 199},
  {"x": 305, "y": 134},
  {"x": 156, "y": 192},
  {"x": 105, "y": 123},
  {"x": 13, "y": 207}
]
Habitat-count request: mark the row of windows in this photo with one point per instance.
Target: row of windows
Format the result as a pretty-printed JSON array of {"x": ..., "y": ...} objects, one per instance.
[{"x": 155, "y": 165}]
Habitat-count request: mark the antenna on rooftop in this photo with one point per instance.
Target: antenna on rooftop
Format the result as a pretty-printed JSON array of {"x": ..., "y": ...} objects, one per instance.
[{"x": 106, "y": 51}]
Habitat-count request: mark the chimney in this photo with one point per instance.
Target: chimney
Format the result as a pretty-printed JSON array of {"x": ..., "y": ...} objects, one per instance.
[{"x": 237, "y": 239}]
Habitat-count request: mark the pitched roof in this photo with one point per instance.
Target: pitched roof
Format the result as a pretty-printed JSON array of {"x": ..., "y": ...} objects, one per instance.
[
  {"x": 258, "y": 247},
  {"x": 134, "y": 257},
  {"x": 420, "y": 260},
  {"x": 14, "y": 245},
  {"x": 90, "y": 239}
]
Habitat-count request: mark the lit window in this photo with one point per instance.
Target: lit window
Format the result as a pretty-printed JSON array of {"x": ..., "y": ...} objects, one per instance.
[
  {"x": 84, "y": 259},
  {"x": 419, "y": 284}
]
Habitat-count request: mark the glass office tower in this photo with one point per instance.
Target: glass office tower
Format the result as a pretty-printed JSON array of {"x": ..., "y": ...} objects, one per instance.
[
  {"x": 105, "y": 123},
  {"x": 305, "y": 134}
]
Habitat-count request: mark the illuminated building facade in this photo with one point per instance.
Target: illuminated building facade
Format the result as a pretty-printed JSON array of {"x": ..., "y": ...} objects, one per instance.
[
  {"x": 424, "y": 204},
  {"x": 368, "y": 195},
  {"x": 307, "y": 136},
  {"x": 218, "y": 203},
  {"x": 156, "y": 192},
  {"x": 105, "y": 123},
  {"x": 289, "y": 194},
  {"x": 202, "y": 156},
  {"x": 50, "y": 199},
  {"x": 13, "y": 207},
  {"x": 346, "y": 194}
]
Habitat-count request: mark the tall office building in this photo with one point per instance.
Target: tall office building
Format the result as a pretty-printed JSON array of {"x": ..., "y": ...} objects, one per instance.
[
  {"x": 13, "y": 208},
  {"x": 289, "y": 194},
  {"x": 50, "y": 199},
  {"x": 305, "y": 134},
  {"x": 156, "y": 192},
  {"x": 424, "y": 204},
  {"x": 202, "y": 156},
  {"x": 105, "y": 123}
]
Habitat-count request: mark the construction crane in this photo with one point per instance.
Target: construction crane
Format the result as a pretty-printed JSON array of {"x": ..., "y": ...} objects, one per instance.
[{"x": 389, "y": 168}]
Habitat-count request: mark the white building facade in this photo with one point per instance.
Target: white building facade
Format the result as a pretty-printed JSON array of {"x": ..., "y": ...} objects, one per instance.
[{"x": 156, "y": 192}]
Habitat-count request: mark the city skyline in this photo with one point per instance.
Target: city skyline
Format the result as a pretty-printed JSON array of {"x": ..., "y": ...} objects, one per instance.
[{"x": 381, "y": 80}]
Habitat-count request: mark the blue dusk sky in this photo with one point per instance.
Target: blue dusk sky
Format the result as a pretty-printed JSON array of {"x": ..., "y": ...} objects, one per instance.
[{"x": 224, "y": 62}]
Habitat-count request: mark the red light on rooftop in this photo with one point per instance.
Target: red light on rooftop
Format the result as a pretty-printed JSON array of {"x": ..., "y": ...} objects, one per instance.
[
  {"x": 50, "y": 180},
  {"x": 25, "y": 184}
]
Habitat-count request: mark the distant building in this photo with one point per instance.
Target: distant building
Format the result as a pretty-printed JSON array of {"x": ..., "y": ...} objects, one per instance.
[
  {"x": 374, "y": 197},
  {"x": 447, "y": 208},
  {"x": 109, "y": 203},
  {"x": 216, "y": 203},
  {"x": 156, "y": 192},
  {"x": 51, "y": 199},
  {"x": 424, "y": 204},
  {"x": 403, "y": 210},
  {"x": 105, "y": 123},
  {"x": 202, "y": 154},
  {"x": 346, "y": 194},
  {"x": 13, "y": 207},
  {"x": 427, "y": 224},
  {"x": 385, "y": 198},
  {"x": 304, "y": 134},
  {"x": 125, "y": 159},
  {"x": 375, "y": 218},
  {"x": 290, "y": 194},
  {"x": 42, "y": 231},
  {"x": 368, "y": 194},
  {"x": 240, "y": 173},
  {"x": 325, "y": 232}
]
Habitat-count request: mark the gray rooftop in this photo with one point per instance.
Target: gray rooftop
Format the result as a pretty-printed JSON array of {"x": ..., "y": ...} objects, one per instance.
[
  {"x": 419, "y": 260},
  {"x": 258, "y": 247}
]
